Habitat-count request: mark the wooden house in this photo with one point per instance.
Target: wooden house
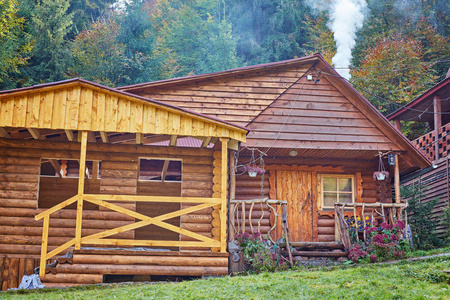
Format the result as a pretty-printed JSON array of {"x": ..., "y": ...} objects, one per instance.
[
  {"x": 433, "y": 108},
  {"x": 88, "y": 169},
  {"x": 78, "y": 169},
  {"x": 319, "y": 140}
]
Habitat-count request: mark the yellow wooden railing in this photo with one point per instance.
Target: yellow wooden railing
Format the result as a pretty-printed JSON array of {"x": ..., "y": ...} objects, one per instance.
[{"x": 100, "y": 237}]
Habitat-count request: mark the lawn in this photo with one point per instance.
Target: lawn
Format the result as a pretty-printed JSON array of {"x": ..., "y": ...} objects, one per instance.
[{"x": 405, "y": 280}]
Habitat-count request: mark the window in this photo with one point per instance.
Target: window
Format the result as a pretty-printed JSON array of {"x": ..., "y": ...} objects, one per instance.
[
  {"x": 151, "y": 169},
  {"x": 68, "y": 168},
  {"x": 337, "y": 188}
]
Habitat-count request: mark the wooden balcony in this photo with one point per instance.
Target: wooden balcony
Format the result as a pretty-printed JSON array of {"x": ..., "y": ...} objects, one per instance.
[{"x": 426, "y": 143}]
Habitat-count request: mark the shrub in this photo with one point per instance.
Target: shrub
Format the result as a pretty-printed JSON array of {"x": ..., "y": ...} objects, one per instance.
[
  {"x": 420, "y": 219},
  {"x": 259, "y": 253}
]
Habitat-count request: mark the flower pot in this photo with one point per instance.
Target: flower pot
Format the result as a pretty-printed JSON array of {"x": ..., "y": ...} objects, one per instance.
[
  {"x": 252, "y": 173},
  {"x": 381, "y": 176}
]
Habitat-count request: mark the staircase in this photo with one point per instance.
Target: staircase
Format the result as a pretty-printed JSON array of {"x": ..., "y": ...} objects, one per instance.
[{"x": 316, "y": 253}]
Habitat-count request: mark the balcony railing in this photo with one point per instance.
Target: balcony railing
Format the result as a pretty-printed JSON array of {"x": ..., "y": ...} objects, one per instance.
[{"x": 426, "y": 143}]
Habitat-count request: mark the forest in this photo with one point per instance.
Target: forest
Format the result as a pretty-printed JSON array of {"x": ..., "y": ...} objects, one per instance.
[{"x": 398, "y": 48}]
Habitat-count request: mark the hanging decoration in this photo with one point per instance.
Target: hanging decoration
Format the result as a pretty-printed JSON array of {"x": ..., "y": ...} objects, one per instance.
[
  {"x": 253, "y": 169},
  {"x": 381, "y": 174}
]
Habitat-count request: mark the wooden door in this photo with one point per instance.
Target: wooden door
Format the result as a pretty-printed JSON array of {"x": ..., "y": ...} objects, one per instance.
[{"x": 294, "y": 187}]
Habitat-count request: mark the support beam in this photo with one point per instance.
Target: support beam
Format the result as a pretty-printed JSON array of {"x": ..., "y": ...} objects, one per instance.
[
  {"x": 173, "y": 140},
  {"x": 35, "y": 133},
  {"x": 223, "y": 195},
  {"x": 69, "y": 134},
  {"x": 104, "y": 137},
  {"x": 397, "y": 184},
  {"x": 95, "y": 168},
  {"x": 4, "y": 133},
  {"x": 56, "y": 166},
  {"x": 206, "y": 142},
  {"x": 232, "y": 196},
  {"x": 164, "y": 170},
  {"x": 91, "y": 137},
  {"x": 139, "y": 138},
  {"x": 437, "y": 124},
  {"x": 80, "y": 195}
]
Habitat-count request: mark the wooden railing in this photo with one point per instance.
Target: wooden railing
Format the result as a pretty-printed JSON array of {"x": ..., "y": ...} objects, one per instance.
[
  {"x": 100, "y": 237},
  {"x": 388, "y": 212},
  {"x": 426, "y": 143},
  {"x": 237, "y": 224}
]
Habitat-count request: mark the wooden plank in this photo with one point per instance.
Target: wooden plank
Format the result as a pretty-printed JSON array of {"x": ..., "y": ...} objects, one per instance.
[
  {"x": 111, "y": 112},
  {"x": 44, "y": 245},
  {"x": 35, "y": 133},
  {"x": 101, "y": 106},
  {"x": 69, "y": 134},
  {"x": 104, "y": 137},
  {"x": 59, "y": 109},
  {"x": 223, "y": 193},
  {"x": 20, "y": 111},
  {"x": 85, "y": 109},
  {"x": 81, "y": 176},
  {"x": 7, "y": 112},
  {"x": 123, "y": 115}
]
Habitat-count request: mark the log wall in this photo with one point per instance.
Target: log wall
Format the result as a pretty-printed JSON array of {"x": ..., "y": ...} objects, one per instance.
[{"x": 20, "y": 234}]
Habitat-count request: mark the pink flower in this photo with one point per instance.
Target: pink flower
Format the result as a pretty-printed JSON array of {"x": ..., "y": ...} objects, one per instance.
[
  {"x": 401, "y": 224},
  {"x": 394, "y": 237},
  {"x": 378, "y": 238},
  {"x": 386, "y": 226},
  {"x": 373, "y": 258},
  {"x": 246, "y": 235}
]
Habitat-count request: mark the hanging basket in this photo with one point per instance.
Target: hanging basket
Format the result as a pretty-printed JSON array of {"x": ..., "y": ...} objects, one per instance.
[
  {"x": 253, "y": 170},
  {"x": 380, "y": 175}
]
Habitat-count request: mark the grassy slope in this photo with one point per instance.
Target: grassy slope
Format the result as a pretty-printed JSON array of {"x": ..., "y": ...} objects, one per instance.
[{"x": 416, "y": 280}]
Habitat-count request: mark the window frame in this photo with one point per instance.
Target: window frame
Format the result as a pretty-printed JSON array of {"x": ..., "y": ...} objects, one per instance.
[
  {"x": 344, "y": 176},
  {"x": 162, "y": 159}
]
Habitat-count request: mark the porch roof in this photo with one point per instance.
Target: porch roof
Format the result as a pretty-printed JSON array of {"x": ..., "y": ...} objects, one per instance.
[{"x": 80, "y": 105}]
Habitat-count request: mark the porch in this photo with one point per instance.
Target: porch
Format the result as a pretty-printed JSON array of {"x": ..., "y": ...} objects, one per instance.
[{"x": 88, "y": 168}]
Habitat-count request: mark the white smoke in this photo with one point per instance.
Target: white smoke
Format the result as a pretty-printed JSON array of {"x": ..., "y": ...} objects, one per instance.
[{"x": 346, "y": 17}]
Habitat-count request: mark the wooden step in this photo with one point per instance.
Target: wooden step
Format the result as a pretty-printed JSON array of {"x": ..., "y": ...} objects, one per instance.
[
  {"x": 315, "y": 245},
  {"x": 317, "y": 253}
]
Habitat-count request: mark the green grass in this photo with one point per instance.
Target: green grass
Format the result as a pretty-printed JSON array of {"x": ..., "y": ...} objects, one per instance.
[{"x": 404, "y": 280}]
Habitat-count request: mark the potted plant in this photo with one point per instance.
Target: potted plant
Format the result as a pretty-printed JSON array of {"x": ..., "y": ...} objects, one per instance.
[
  {"x": 254, "y": 170},
  {"x": 380, "y": 175}
]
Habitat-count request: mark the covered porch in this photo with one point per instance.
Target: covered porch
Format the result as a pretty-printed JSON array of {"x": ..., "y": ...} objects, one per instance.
[{"x": 99, "y": 170}]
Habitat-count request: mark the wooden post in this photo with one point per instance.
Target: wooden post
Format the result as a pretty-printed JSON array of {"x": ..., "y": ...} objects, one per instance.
[
  {"x": 81, "y": 189},
  {"x": 397, "y": 185},
  {"x": 223, "y": 207},
  {"x": 232, "y": 196},
  {"x": 44, "y": 245},
  {"x": 437, "y": 124}
]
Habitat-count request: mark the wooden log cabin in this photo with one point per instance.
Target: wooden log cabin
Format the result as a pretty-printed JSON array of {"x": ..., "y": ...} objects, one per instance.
[
  {"x": 112, "y": 178},
  {"x": 431, "y": 107},
  {"x": 318, "y": 138},
  {"x": 87, "y": 169}
]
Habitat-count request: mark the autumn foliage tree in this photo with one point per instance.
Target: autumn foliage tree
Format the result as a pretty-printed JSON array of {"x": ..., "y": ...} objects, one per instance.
[
  {"x": 392, "y": 73},
  {"x": 97, "y": 54}
]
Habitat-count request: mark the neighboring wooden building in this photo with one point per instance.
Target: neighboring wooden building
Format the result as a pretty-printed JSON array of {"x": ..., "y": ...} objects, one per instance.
[
  {"x": 78, "y": 158},
  {"x": 433, "y": 108},
  {"x": 314, "y": 130}
]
